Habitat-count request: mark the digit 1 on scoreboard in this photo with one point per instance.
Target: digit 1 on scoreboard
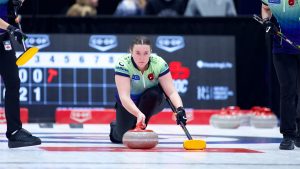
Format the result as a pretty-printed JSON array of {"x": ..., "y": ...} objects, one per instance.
[{"x": 37, "y": 93}]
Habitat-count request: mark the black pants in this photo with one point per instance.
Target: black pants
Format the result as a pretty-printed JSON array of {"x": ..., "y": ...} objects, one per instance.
[
  {"x": 288, "y": 72},
  {"x": 150, "y": 104},
  {"x": 10, "y": 75}
]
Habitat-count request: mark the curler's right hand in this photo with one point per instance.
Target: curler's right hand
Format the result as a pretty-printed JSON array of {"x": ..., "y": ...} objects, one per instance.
[{"x": 141, "y": 120}]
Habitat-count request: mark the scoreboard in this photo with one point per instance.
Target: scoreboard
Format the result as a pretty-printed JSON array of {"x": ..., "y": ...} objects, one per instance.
[
  {"x": 68, "y": 79},
  {"x": 77, "y": 70}
]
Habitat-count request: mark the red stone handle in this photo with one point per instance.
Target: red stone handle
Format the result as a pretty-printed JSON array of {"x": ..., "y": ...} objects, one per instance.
[{"x": 139, "y": 128}]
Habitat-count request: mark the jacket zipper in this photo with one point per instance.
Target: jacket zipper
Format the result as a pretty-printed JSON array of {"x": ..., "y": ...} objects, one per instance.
[{"x": 143, "y": 80}]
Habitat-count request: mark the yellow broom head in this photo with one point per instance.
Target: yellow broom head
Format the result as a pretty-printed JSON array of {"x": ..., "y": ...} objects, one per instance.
[
  {"x": 194, "y": 144},
  {"x": 26, "y": 56}
]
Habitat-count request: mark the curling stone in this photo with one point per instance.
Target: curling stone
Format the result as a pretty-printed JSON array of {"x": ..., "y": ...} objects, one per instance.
[
  {"x": 264, "y": 118},
  {"x": 225, "y": 120},
  {"x": 140, "y": 139}
]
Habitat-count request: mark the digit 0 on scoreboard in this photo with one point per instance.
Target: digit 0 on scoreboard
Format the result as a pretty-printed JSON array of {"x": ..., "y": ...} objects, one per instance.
[
  {"x": 37, "y": 76},
  {"x": 37, "y": 86}
]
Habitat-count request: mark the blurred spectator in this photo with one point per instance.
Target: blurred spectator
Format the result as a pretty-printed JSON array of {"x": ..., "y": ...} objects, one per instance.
[
  {"x": 165, "y": 7},
  {"x": 83, "y": 8},
  {"x": 210, "y": 8},
  {"x": 131, "y": 8}
]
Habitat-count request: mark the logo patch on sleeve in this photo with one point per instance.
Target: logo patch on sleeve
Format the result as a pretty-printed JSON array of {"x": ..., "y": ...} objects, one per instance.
[{"x": 7, "y": 45}]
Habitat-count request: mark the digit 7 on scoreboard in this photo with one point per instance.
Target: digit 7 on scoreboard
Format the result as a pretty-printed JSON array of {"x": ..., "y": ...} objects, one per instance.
[{"x": 52, "y": 86}]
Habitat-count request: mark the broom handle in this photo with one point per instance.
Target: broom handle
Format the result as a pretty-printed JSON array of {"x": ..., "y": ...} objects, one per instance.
[
  {"x": 186, "y": 131},
  {"x": 20, "y": 27},
  {"x": 174, "y": 110}
]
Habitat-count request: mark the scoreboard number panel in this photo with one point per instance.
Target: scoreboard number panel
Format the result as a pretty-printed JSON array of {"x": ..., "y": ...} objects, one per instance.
[{"x": 68, "y": 78}]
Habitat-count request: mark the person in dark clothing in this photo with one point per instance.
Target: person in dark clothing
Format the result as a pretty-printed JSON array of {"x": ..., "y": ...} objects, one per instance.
[
  {"x": 17, "y": 136},
  {"x": 286, "y": 60}
]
